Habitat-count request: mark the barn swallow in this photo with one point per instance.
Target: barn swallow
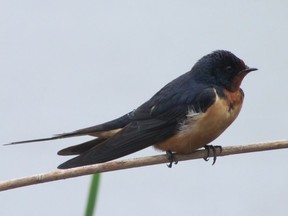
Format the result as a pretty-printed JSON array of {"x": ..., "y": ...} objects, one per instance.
[{"x": 186, "y": 114}]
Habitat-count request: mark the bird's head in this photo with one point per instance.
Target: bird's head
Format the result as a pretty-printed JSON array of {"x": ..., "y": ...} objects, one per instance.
[{"x": 221, "y": 68}]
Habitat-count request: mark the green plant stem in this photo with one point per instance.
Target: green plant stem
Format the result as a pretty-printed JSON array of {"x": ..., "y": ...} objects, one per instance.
[{"x": 93, "y": 192}]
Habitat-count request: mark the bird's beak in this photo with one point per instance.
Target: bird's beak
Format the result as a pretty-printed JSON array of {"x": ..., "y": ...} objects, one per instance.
[{"x": 248, "y": 69}]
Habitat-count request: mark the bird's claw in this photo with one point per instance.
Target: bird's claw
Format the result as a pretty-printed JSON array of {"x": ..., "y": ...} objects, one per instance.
[
  {"x": 213, "y": 148},
  {"x": 171, "y": 157}
]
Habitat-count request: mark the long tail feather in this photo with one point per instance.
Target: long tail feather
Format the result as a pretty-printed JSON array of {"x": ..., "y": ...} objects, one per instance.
[{"x": 80, "y": 148}]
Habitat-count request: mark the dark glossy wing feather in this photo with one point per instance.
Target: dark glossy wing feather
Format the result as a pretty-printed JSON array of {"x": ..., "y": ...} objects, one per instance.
[{"x": 134, "y": 137}]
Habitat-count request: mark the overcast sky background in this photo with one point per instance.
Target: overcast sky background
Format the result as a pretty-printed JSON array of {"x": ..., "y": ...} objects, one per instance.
[{"x": 66, "y": 65}]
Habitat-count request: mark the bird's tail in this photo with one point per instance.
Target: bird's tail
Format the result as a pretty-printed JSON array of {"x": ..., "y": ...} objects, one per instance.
[{"x": 58, "y": 136}]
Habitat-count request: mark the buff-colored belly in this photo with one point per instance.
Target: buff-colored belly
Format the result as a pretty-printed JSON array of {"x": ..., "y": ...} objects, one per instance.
[{"x": 201, "y": 128}]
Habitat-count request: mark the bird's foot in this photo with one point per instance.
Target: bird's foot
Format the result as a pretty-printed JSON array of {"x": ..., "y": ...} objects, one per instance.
[
  {"x": 171, "y": 157},
  {"x": 213, "y": 148}
]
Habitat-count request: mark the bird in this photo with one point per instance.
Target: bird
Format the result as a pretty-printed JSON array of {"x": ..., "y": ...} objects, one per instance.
[{"x": 186, "y": 114}]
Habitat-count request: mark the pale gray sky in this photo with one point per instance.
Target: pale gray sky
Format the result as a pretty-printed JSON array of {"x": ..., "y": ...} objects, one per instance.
[{"x": 66, "y": 65}]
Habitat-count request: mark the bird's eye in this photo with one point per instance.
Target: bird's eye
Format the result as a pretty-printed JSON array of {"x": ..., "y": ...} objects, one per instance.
[{"x": 228, "y": 68}]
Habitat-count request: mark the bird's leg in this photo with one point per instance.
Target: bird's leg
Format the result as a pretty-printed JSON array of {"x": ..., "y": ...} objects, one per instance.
[
  {"x": 207, "y": 148},
  {"x": 213, "y": 148},
  {"x": 171, "y": 157}
]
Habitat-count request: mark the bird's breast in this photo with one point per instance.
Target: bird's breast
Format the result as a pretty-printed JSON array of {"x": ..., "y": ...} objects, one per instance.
[{"x": 199, "y": 129}]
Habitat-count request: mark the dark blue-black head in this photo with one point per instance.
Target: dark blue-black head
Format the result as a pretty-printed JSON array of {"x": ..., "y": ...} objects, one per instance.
[{"x": 221, "y": 68}]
